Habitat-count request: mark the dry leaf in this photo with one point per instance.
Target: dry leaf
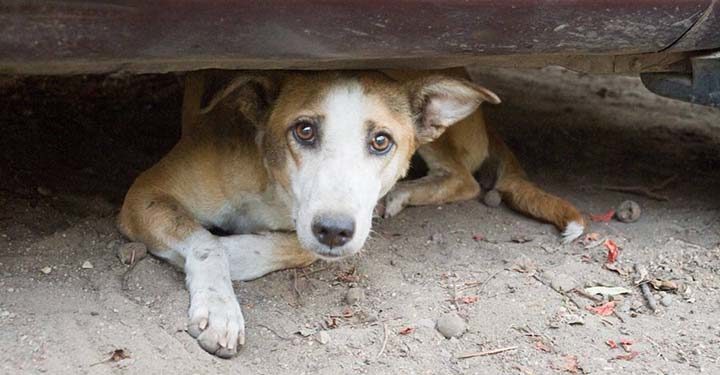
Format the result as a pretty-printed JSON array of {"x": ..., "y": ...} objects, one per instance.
[
  {"x": 540, "y": 345},
  {"x": 605, "y": 309},
  {"x": 468, "y": 299},
  {"x": 612, "y": 251},
  {"x": 118, "y": 355},
  {"x": 603, "y": 218},
  {"x": 664, "y": 285},
  {"x": 615, "y": 268},
  {"x": 607, "y": 290},
  {"x": 521, "y": 239},
  {"x": 348, "y": 276},
  {"x": 524, "y": 265},
  {"x": 612, "y": 344},
  {"x": 590, "y": 238},
  {"x": 625, "y": 343},
  {"x": 331, "y": 322},
  {"x": 571, "y": 364},
  {"x": 627, "y": 357}
]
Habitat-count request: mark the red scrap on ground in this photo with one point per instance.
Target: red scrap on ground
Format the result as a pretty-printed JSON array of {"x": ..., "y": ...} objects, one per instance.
[
  {"x": 613, "y": 251},
  {"x": 603, "y": 218},
  {"x": 604, "y": 309},
  {"x": 468, "y": 299},
  {"x": 406, "y": 331}
]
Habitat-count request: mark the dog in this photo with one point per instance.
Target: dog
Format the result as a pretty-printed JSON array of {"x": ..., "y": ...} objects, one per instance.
[
  {"x": 291, "y": 166},
  {"x": 469, "y": 159}
]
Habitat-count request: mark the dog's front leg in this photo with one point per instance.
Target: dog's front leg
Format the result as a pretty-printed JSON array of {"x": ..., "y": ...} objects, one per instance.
[
  {"x": 170, "y": 232},
  {"x": 215, "y": 316},
  {"x": 254, "y": 255}
]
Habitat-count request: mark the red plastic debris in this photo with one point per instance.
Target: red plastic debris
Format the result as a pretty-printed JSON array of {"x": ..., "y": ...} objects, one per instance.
[{"x": 603, "y": 218}]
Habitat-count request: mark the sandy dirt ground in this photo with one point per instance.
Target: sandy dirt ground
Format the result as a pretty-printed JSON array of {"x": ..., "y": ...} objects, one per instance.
[{"x": 70, "y": 147}]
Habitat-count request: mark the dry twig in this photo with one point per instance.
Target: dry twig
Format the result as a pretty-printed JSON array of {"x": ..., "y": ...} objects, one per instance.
[
  {"x": 486, "y": 352},
  {"x": 642, "y": 190},
  {"x": 480, "y": 284},
  {"x": 384, "y": 342},
  {"x": 644, "y": 288}
]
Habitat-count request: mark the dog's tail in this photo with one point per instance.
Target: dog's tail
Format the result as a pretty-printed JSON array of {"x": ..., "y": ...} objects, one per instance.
[{"x": 508, "y": 178}]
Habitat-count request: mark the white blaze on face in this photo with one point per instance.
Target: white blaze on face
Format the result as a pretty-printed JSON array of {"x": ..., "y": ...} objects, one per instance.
[{"x": 339, "y": 176}]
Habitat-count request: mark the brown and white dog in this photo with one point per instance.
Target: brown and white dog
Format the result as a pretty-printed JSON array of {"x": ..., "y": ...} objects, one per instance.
[{"x": 267, "y": 154}]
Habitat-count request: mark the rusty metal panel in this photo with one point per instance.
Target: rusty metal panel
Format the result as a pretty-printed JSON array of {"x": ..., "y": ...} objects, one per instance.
[{"x": 107, "y": 35}]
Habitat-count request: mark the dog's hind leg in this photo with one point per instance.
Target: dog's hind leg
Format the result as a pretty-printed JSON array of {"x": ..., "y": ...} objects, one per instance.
[
  {"x": 192, "y": 101},
  {"x": 440, "y": 186},
  {"x": 522, "y": 195},
  {"x": 450, "y": 160}
]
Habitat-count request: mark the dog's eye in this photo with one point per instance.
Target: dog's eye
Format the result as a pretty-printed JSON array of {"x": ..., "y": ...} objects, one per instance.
[
  {"x": 304, "y": 132},
  {"x": 381, "y": 143}
]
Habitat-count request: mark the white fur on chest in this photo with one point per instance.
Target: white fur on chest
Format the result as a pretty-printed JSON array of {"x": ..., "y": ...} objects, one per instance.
[{"x": 252, "y": 213}]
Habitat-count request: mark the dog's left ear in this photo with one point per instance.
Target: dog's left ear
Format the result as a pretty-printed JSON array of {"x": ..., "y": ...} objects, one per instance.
[
  {"x": 438, "y": 102},
  {"x": 249, "y": 95}
]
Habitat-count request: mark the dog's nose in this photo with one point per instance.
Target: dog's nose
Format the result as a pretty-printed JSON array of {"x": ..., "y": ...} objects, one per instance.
[{"x": 333, "y": 230}]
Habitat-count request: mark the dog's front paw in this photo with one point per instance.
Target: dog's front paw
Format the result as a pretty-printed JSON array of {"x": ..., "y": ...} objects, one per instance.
[
  {"x": 217, "y": 323},
  {"x": 395, "y": 201}
]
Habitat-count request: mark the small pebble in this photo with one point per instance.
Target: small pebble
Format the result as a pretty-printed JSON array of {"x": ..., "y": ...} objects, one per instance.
[
  {"x": 492, "y": 198},
  {"x": 451, "y": 325},
  {"x": 87, "y": 265},
  {"x": 322, "y": 337},
  {"x": 628, "y": 212},
  {"x": 354, "y": 295},
  {"x": 46, "y": 270},
  {"x": 666, "y": 300},
  {"x": 125, "y": 252}
]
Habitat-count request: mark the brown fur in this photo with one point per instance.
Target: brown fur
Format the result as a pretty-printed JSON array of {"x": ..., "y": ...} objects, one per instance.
[
  {"x": 240, "y": 167},
  {"x": 460, "y": 152}
]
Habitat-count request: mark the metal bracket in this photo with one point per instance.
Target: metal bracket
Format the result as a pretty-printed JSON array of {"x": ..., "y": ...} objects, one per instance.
[{"x": 702, "y": 86}]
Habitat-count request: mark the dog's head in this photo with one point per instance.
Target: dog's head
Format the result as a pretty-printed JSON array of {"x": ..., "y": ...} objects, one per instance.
[{"x": 337, "y": 142}]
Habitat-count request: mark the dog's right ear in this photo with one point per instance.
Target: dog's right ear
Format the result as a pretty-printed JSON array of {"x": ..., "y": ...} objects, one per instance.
[{"x": 250, "y": 95}]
